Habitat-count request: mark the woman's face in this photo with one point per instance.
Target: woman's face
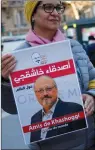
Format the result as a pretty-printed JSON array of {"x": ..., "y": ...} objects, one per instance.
[{"x": 48, "y": 21}]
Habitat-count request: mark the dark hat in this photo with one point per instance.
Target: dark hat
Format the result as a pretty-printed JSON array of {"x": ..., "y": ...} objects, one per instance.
[{"x": 91, "y": 37}]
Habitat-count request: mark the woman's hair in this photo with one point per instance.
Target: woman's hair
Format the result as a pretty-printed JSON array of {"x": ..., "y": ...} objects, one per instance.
[{"x": 35, "y": 10}]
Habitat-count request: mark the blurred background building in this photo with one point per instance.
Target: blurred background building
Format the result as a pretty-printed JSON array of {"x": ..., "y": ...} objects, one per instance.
[
  {"x": 78, "y": 19},
  {"x": 13, "y": 20}
]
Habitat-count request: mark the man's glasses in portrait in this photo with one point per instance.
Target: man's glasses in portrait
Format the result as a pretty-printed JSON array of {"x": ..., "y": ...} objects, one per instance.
[{"x": 47, "y": 89}]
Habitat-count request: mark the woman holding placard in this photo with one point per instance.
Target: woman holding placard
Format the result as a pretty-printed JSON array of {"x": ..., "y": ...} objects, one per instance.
[{"x": 45, "y": 17}]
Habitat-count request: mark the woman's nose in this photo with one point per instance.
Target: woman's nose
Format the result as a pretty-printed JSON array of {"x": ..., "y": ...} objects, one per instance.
[{"x": 55, "y": 12}]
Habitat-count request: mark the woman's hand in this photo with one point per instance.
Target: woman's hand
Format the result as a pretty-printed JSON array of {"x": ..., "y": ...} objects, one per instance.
[
  {"x": 89, "y": 104},
  {"x": 8, "y": 63}
]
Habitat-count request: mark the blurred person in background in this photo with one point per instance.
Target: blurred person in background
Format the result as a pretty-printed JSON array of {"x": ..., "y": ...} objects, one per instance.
[
  {"x": 91, "y": 39},
  {"x": 2, "y": 47},
  {"x": 91, "y": 49},
  {"x": 45, "y": 18}
]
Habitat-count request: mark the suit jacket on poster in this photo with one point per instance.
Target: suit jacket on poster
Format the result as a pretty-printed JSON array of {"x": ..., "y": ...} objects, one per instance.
[{"x": 61, "y": 109}]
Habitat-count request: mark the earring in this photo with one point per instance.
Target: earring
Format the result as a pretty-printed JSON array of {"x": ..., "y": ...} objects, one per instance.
[{"x": 33, "y": 20}]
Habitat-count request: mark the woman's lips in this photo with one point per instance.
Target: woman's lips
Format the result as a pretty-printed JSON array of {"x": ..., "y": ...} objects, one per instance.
[{"x": 54, "y": 21}]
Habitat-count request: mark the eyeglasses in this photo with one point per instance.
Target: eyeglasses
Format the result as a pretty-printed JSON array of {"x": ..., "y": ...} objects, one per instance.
[
  {"x": 49, "y": 8},
  {"x": 47, "y": 89}
]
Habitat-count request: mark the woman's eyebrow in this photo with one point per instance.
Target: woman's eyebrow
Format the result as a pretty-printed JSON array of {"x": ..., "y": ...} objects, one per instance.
[{"x": 52, "y": 3}]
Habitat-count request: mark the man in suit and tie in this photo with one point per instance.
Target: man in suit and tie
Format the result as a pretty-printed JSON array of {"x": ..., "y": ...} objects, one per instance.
[{"x": 47, "y": 95}]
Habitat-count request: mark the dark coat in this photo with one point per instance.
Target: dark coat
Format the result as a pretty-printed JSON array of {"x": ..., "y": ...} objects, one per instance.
[{"x": 61, "y": 109}]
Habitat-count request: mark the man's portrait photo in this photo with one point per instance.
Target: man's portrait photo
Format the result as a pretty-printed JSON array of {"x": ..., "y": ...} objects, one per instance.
[
  {"x": 46, "y": 92},
  {"x": 36, "y": 58}
]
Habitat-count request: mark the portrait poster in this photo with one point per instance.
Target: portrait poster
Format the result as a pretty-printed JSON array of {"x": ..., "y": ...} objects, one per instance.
[{"x": 55, "y": 108}]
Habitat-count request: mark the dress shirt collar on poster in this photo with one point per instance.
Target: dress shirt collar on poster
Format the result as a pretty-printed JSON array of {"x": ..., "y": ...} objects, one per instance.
[{"x": 45, "y": 117}]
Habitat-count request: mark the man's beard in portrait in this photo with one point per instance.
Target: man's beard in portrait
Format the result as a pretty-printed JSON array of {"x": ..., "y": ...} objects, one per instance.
[{"x": 47, "y": 101}]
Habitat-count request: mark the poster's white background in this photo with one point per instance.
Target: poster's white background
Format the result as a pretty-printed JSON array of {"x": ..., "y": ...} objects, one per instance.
[{"x": 54, "y": 52}]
